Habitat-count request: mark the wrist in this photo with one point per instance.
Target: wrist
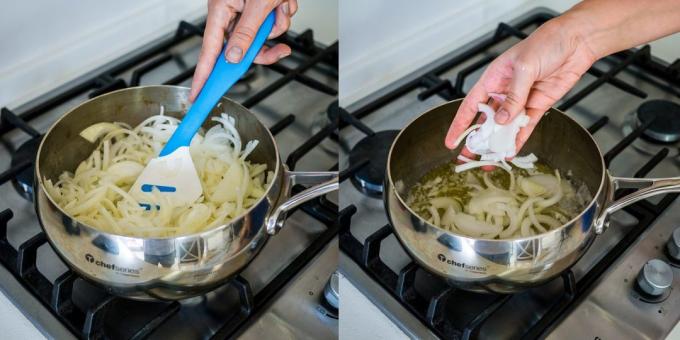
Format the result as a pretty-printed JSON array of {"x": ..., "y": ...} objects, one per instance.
[{"x": 586, "y": 31}]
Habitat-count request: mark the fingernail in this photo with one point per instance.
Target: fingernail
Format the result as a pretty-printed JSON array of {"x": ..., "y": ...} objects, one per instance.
[
  {"x": 285, "y": 8},
  {"x": 234, "y": 54},
  {"x": 283, "y": 55},
  {"x": 502, "y": 116}
]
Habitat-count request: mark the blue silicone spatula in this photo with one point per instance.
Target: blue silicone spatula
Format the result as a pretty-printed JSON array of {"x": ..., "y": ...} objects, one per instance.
[{"x": 172, "y": 173}]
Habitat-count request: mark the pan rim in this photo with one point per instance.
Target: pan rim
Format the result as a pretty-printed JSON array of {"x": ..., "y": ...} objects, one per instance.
[
  {"x": 39, "y": 179},
  {"x": 603, "y": 177}
]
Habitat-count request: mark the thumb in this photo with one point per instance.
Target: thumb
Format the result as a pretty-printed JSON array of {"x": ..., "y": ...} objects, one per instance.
[
  {"x": 243, "y": 34},
  {"x": 518, "y": 91}
]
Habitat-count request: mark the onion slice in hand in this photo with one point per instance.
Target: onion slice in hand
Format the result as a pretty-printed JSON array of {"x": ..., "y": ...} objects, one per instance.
[{"x": 496, "y": 142}]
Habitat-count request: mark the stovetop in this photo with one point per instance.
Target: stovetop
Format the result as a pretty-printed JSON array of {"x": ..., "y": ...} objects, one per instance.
[
  {"x": 278, "y": 294},
  {"x": 595, "y": 299}
]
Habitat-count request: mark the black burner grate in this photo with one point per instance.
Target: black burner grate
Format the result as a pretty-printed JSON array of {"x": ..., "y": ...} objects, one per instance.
[
  {"x": 149, "y": 316},
  {"x": 456, "y": 314}
]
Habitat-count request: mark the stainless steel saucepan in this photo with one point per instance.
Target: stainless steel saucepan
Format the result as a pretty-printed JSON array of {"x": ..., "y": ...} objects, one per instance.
[
  {"x": 173, "y": 267},
  {"x": 511, "y": 265}
]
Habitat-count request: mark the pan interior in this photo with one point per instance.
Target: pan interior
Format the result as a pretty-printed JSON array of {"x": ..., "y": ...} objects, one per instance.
[
  {"x": 63, "y": 149},
  {"x": 557, "y": 140}
]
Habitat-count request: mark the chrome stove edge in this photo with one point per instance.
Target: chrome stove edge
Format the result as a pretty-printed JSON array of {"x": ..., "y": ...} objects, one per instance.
[
  {"x": 29, "y": 306},
  {"x": 402, "y": 318},
  {"x": 610, "y": 310},
  {"x": 279, "y": 310}
]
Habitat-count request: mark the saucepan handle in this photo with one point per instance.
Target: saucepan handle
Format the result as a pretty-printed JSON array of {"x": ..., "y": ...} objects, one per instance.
[
  {"x": 324, "y": 182},
  {"x": 646, "y": 187}
]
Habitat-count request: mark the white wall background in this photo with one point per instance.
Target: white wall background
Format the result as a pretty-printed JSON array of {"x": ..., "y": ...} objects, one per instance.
[
  {"x": 384, "y": 40},
  {"x": 45, "y": 43},
  {"x": 48, "y": 42},
  {"x": 321, "y": 16}
]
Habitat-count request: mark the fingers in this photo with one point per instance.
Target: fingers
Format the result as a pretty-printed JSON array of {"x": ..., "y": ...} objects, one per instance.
[
  {"x": 213, "y": 40},
  {"x": 525, "y": 132},
  {"x": 270, "y": 55},
  {"x": 523, "y": 78},
  {"x": 293, "y": 7},
  {"x": 466, "y": 113},
  {"x": 282, "y": 20},
  {"x": 245, "y": 30}
]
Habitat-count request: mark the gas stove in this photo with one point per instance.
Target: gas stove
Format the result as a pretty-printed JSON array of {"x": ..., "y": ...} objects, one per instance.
[
  {"x": 283, "y": 290},
  {"x": 629, "y": 101}
]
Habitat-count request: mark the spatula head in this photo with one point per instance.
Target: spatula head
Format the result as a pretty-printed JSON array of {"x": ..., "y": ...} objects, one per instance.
[{"x": 173, "y": 176}]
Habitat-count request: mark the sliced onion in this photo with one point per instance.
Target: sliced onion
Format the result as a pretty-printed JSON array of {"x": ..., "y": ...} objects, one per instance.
[
  {"x": 531, "y": 188},
  {"x": 466, "y": 132},
  {"x": 447, "y": 218},
  {"x": 552, "y": 223},
  {"x": 525, "y": 162},
  {"x": 97, "y": 192},
  {"x": 464, "y": 159},
  {"x": 96, "y": 131},
  {"x": 475, "y": 164},
  {"x": 518, "y": 217},
  {"x": 534, "y": 221},
  {"x": 494, "y": 141},
  {"x": 525, "y": 229},
  {"x": 444, "y": 202},
  {"x": 556, "y": 197},
  {"x": 470, "y": 225},
  {"x": 435, "y": 215}
]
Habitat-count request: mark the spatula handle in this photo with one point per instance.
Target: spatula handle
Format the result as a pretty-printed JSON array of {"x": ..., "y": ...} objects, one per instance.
[{"x": 223, "y": 76}]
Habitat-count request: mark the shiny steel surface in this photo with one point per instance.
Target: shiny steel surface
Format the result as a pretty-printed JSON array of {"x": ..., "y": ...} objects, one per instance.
[
  {"x": 655, "y": 277},
  {"x": 331, "y": 291},
  {"x": 673, "y": 245},
  {"x": 614, "y": 310},
  {"x": 164, "y": 268},
  {"x": 298, "y": 304},
  {"x": 506, "y": 266},
  {"x": 329, "y": 183}
]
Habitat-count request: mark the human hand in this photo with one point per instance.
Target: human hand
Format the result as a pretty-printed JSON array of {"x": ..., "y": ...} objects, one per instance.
[
  {"x": 533, "y": 75},
  {"x": 222, "y": 19}
]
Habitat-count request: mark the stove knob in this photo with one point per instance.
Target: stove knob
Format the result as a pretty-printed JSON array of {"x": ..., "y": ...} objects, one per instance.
[
  {"x": 655, "y": 278},
  {"x": 673, "y": 245},
  {"x": 332, "y": 292}
]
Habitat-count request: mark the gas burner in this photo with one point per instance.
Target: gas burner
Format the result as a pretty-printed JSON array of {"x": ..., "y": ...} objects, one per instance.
[
  {"x": 660, "y": 133},
  {"x": 665, "y": 114},
  {"x": 23, "y": 181},
  {"x": 374, "y": 149}
]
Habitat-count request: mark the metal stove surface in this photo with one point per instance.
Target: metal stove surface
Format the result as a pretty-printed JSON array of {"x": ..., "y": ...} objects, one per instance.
[
  {"x": 200, "y": 317},
  {"x": 610, "y": 305}
]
